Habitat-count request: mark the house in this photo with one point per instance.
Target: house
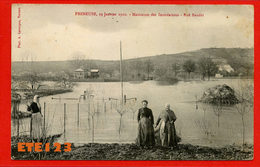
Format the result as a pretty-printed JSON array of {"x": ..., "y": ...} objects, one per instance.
[
  {"x": 226, "y": 67},
  {"x": 218, "y": 76},
  {"x": 151, "y": 77},
  {"x": 94, "y": 73},
  {"x": 79, "y": 74}
]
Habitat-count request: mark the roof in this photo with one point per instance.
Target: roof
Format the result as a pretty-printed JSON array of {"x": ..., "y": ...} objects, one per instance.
[
  {"x": 94, "y": 70},
  {"x": 79, "y": 70}
]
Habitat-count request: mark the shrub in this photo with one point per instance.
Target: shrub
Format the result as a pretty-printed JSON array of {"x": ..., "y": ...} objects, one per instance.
[{"x": 167, "y": 80}]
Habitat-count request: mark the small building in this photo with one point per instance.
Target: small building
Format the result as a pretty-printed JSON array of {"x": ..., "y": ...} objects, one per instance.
[
  {"x": 218, "y": 76},
  {"x": 151, "y": 77},
  {"x": 79, "y": 74},
  {"x": 94, "y": 73}
]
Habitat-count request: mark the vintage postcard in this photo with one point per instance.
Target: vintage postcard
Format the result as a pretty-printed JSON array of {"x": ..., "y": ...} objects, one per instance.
[{"x": 132, "y": 82}]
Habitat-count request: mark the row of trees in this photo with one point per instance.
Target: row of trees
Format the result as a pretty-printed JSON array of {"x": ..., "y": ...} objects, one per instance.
[
  {"x": 205, "y": 66},
  {"x": 134, "y": 69},
  {"x": 139, "y": 70},
  {"x": 147, "y": 69}
]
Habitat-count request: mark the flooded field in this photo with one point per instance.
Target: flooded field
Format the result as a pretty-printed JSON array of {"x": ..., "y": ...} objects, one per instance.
[{"x": 195, "y": 125}]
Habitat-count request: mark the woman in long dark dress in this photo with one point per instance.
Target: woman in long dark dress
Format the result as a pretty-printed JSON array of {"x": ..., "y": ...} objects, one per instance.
[
  {"x": 145, "y": 119},
  {"x": 36, "y": 118},
  {"x": 174, "y": 138}
]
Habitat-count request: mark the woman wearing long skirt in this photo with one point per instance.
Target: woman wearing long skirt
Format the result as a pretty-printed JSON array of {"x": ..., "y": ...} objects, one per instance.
[
  {"x": 162, "y": 129},
  {"x": 174, "y": 139},
  {"x": 145, "y": 119},
  {"x": 165, "y": 128},
  {"x": 36, "y": 118}
]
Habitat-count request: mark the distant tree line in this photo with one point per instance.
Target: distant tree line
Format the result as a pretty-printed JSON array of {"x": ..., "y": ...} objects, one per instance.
[{"x": 139, "y": 69}]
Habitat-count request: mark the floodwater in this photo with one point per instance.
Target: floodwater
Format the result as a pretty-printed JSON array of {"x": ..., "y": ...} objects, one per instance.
[{"x": 195, "y": 125}]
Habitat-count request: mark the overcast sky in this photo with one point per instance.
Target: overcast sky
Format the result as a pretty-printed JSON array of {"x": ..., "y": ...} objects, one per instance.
[{"x": 53, "y": 32}]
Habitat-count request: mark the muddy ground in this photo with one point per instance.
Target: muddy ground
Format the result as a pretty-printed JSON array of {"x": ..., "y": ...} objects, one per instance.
[{"x": 133, "y": 152}]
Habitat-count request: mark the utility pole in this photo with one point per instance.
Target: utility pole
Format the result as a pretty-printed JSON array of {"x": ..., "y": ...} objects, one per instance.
[{"x": 121, "y": 75}]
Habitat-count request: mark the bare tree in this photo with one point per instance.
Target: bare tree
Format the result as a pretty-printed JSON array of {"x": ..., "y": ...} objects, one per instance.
[
  {"x": 245, "y": 95},
  {"x": 121, "y": 111},
  {"x": 78, "y": 60},
  {"x": 160, "y": 72},
  {"x": 149, "y": 67},
  {"x": 92, "y": 111},
  {"x": 89, "y": 64},
  {"x": 132, "y": 106},
  {"x": 205, "y": 127},
  {"x": 218, "y": 109},
  {"x": 207, "y": 67},
  {"x": 138, "y": 68},
  {"x": 189, "y": 66},
  {"x": 63, "y": 80},
  {"x": 175, "y": 68},
  {"x": 31, "y": 83}
]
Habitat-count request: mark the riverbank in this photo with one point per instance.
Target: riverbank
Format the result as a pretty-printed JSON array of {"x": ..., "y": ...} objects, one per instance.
[
  {"x": 27, "y": 94},
  {"x": 21, "y": 96},
  {"x": 50, "y": 92},
  {"x": 116, "y": 151}
]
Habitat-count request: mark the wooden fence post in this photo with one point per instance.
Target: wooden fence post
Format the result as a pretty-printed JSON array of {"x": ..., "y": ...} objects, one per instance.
[
  {"x": 105, "y": 107},
  {"x": 18, "y": 126},
  {"x": 124, "y": 99},
  {"x": 31, "y": 127},
  {"x": 89, "y": 114},
  {"x": 78, "y": 115},
  {"x": 64, "y": 121},
  {"x": 93, "y": 132},
  {"x": 44, "y": 110}
]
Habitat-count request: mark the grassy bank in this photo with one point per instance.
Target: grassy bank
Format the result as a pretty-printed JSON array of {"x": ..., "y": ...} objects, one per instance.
[{"x": 133, "y": 152}]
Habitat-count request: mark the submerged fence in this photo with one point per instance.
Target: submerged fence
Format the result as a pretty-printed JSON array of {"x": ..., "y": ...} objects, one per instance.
[{"x": 100, "y": 120}]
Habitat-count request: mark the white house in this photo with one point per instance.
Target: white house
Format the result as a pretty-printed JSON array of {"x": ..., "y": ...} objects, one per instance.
[
  {"x": 226, "y": 67},
  {"x": 219, "y": 76},
  {"x": 79, "y": 74}
]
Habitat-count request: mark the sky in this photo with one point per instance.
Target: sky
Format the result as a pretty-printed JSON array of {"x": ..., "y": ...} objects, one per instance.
[{"x": 54, "y": 32}]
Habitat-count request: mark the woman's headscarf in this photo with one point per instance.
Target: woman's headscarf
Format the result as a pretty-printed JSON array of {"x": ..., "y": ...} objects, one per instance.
[
  {"x": 167, "y": 106},
  {"x": 35, "y": 100}
]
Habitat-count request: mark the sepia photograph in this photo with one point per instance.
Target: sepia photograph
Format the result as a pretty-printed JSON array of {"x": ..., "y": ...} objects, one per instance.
[{"x": 132, "y": 82}]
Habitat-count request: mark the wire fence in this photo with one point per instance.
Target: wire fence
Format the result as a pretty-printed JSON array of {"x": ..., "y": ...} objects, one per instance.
[{"x": 93, "y": 120}]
